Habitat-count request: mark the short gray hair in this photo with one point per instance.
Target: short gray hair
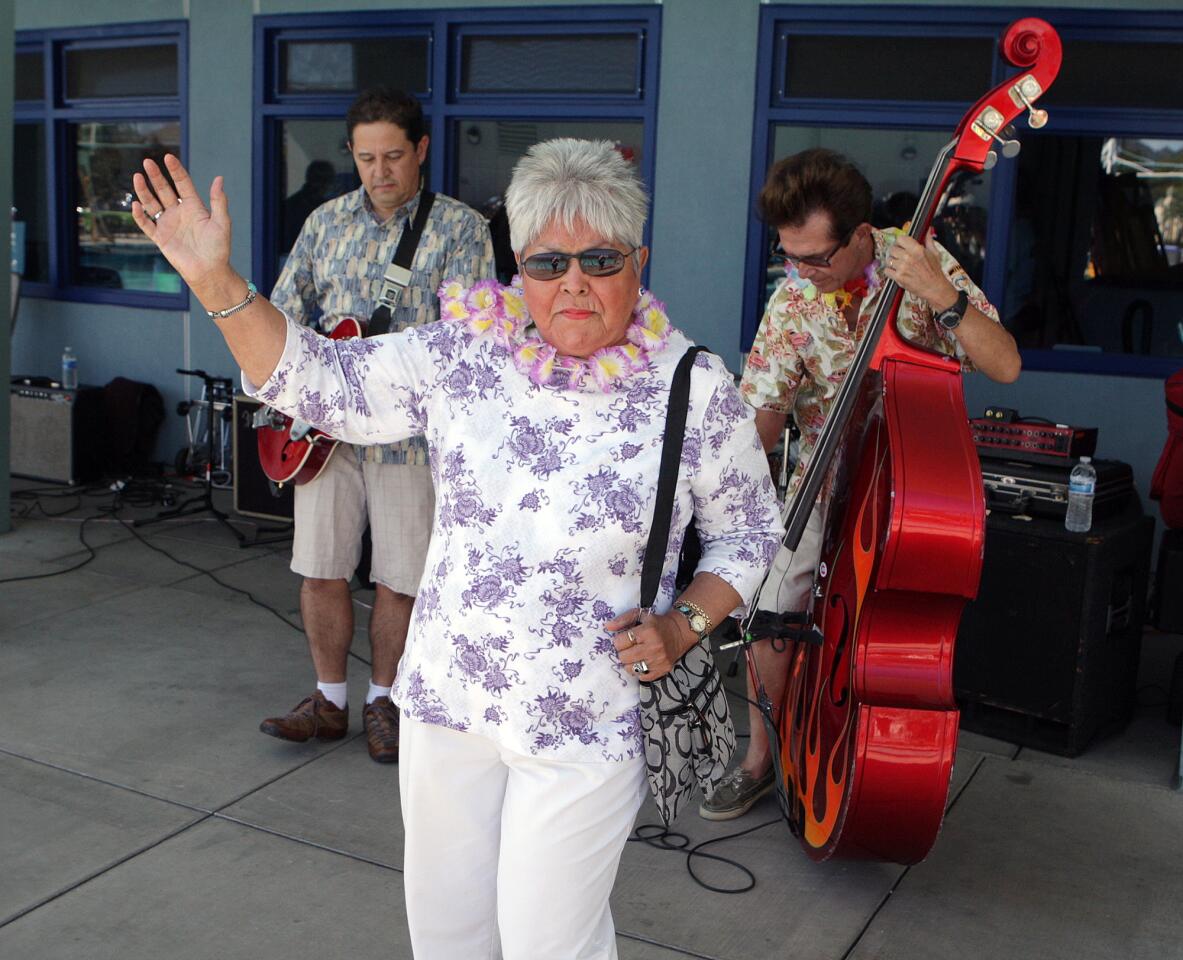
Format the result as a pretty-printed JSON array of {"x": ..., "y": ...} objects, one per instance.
[{"x": 565, "y": 179}]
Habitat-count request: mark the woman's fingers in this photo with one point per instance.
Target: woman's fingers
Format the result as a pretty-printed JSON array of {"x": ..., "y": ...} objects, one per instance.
[
  {"x": 147, "y": 198},
  {"x": 219, "y": 204},
  {"x": 143, "y": 221},
  {"x": 163, "y": 189},
  {"x": 626, "y": 619},
  {"x": 181, "y": 178}
]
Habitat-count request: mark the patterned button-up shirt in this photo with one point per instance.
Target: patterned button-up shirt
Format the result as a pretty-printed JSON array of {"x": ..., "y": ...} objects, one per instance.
[
  {"x": 544, "y": 499},
  {"x": 804, "y": 345},
  {"x": 336, "y": 268}
]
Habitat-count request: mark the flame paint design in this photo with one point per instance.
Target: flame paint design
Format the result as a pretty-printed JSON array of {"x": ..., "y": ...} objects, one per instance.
[{"x": 818, "y": 729}]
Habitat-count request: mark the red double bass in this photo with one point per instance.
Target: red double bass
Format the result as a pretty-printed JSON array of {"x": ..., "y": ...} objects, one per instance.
[{"x": 869, "y": 728}]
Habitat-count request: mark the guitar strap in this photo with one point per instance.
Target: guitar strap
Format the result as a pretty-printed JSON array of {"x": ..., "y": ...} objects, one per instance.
[{"x": 398, "y": 274}]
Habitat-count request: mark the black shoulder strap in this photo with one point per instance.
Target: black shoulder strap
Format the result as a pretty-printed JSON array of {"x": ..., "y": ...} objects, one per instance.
[
  {"x": 667, "y": 478},
  {"x": 398, "y": 274}
]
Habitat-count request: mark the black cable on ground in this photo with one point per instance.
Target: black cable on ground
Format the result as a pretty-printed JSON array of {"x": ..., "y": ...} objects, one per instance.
[
  {"x": 662, "y": 838},
  {"x": 131, "y": 493}
]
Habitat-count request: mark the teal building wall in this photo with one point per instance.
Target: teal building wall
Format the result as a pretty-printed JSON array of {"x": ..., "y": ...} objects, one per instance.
[{"x": 706, "y": 103}]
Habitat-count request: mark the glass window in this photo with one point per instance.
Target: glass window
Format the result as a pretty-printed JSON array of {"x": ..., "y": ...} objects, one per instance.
[
  {"x": 897, "y": 164},
  {"x": 315, "y": 165},
  {"x": 1103, "y": 73},
  {"x": 344, "y": 66},
  {"x": 148, "y": 70},
  {"x": 486, "y": 151},
  {"x": 1094, "y": 258},
  {"x": 905, "y": 68},
  {"x": 110, "y": 250},
  {"x": 583, "y": 63},
  {"x": 30, "y": 196},
  {"x": 29, "y": 76}
]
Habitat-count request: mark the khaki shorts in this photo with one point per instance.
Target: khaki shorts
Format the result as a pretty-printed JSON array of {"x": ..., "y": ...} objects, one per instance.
[
  {"x": 791, "y": 578},
  {"x": 331, "y": 514}
]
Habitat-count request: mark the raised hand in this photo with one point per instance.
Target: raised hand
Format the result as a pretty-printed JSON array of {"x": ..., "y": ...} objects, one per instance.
[{"x": 194, "y": 239}]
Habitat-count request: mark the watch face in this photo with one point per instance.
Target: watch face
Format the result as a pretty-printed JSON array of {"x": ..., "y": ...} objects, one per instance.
[{"x": 697, "y": 624}]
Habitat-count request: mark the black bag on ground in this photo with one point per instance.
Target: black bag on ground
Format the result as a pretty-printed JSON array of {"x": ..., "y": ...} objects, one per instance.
[{"x": 133, "y": 412}]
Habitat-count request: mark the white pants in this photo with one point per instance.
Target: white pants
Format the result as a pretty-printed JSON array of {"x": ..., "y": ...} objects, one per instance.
[
  {"x": 790, "y": 581},
  {"x": 499, "y": 842}
]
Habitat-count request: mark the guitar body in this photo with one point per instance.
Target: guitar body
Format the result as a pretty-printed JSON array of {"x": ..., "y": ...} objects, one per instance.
[
  {"x": 869, "y": 731},
  {"x": 293, "y": 452}
]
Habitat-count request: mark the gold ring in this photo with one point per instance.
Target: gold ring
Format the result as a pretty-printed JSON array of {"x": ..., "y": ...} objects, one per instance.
[{"x": 632, "y": 638}]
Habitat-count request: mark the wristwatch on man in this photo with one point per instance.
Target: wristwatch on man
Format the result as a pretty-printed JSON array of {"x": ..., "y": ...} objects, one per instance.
[{"x": 950, "y": 317}]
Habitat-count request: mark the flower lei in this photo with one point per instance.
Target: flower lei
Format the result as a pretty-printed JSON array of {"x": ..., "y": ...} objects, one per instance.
[
  {"x": 488, "y": 308},
  {"x": 840, "y": 299}
]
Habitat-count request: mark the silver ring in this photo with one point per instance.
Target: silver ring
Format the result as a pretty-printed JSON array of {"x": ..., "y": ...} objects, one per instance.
[
  {"x": 640, "y": 666},
  {"x": 157, "y": 215}
]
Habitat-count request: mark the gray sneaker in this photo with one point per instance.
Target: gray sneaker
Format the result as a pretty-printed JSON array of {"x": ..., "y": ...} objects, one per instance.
[{"x": 735, "y": 795}]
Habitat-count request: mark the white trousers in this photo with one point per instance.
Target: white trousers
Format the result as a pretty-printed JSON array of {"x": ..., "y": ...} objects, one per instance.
[{"x": 509, "y": 855}]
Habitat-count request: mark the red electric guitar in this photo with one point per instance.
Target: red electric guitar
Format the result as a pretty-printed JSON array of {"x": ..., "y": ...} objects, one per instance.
[
  {"x": 869, "y": 728},
  {"x": 292, "y": 451}
]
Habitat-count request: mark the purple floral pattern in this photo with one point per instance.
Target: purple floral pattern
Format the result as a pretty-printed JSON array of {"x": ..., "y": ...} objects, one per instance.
[{"x": 544, "y": 499}]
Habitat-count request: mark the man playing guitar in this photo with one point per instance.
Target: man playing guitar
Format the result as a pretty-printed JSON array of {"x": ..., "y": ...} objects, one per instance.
[{"x": 338, "y": 268}]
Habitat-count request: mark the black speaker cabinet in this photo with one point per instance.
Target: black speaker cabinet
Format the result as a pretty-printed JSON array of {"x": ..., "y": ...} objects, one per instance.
[
  {"x": 1168, "y": 583},
  {"x": 254, "y": 494},
  {"x": 1047, "y": 655},
  {"x": 57, "y": 434}
]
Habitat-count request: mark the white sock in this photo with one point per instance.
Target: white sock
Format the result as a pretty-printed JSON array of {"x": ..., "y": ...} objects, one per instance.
[
  {"x": 376, "y": 691},
  {"x": 335, "y": 693}
]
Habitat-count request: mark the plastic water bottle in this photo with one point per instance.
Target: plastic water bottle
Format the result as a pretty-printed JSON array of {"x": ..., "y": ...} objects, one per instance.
[
  {"x": 1082, "y": 485},
  {"x": 69, "y": 370}
]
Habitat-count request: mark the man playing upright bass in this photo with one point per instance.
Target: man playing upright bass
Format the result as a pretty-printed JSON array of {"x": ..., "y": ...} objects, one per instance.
[{"x": 836, "y": 263}]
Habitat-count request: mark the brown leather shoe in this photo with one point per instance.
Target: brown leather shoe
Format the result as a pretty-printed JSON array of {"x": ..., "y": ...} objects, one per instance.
[
  {"x": 381, "y": 722},
  {"x": 313, "y": 716}
]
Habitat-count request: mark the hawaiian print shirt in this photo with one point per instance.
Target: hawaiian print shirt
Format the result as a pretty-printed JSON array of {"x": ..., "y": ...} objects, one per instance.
[
  {"x": 804, "y": 345},
  {"x": 544, "y": 499},
  {"x": 336, "y": 268}
]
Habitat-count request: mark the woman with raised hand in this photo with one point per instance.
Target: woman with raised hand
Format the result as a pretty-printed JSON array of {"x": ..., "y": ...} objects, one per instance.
[{"x": 543, "y": 404}]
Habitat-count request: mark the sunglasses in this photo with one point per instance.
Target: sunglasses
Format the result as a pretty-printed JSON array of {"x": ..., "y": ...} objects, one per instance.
[
  {"x": 813, "y": 260},
  {"x": 594, "y": 263}
]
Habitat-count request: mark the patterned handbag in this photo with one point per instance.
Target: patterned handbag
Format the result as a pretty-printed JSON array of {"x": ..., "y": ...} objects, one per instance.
[{"x": 685, "y": 720}]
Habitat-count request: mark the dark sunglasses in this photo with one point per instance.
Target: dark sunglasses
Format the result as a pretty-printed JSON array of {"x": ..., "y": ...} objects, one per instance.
[
  {"x": 820, "y": 260},
  {"x": 594, "y": 263}
]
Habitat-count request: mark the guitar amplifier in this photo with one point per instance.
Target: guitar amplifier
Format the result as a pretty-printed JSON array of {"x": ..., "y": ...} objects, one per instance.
[
  {"x": 1036, "y": 442},
  {"x": 1041, "y": 489},
  {"x": 56, "y": 434},
  {"x": 255, "y": 495}
]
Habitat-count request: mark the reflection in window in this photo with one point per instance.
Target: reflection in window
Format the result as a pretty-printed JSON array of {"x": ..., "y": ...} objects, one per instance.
[
  {"x": 148, "y": 70},
  {"x": 954, "y": 69},
  {"x": 486, "y": 151},
  {"x": 315, "y": 166},
  {"x": 110, "y": 250},
  {"x": 586, "y": 63},
  {"x": 345, "y": 66},
  {"x": 29, "y": 76},
  {"x": 1094, "y": 258},
  {"x": 29, "y": 197},
  {"x": 897, "y": 164}
]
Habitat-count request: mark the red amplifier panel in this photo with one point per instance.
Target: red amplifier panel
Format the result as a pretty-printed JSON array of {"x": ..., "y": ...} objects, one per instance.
[{"x": 1044, "y": 439}]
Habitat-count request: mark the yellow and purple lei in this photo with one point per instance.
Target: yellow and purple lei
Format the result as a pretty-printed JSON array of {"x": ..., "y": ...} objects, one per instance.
[{"x": 490, "y": 309}]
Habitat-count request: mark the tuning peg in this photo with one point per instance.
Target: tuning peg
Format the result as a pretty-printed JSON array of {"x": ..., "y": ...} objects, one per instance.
[
  {"x": 1036, "y": 117},
  {"x": 991, "y": 160}
]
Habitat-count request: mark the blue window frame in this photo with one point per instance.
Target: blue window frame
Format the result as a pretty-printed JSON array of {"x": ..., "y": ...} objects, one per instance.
[
  {"x": 477, "y": 116},
  {"x": 1097, "y": 107},
  {"x": 83, "y": 126}
]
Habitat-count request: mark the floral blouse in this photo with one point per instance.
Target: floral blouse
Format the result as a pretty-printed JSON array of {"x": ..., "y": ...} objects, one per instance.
[
  {"x": 544, "y": 499},
  {"x": 804, "y": 345}
]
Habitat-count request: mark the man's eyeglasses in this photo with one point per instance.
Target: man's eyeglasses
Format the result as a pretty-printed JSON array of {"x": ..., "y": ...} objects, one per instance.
[
  {"x": 594, "y": 263},
  {"x": 813, "y": 260}
]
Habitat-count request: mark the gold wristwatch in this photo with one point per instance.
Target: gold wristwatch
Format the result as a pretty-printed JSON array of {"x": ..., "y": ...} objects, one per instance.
[{"x": 696, "y": 616}]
